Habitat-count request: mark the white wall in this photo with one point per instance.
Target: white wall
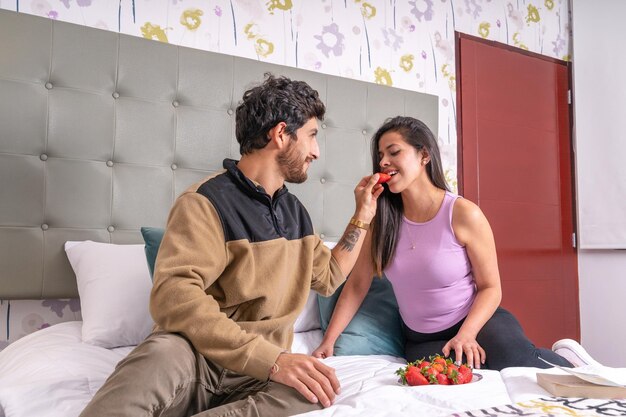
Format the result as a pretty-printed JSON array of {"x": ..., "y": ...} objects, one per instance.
[
  {"x": 599, "y": 109},
  {"x": 602, "y": 275},
  {"x": 600, "y": 106}
]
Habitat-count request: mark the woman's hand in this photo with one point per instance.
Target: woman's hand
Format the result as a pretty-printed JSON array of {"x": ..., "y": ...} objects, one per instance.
[
  {"x": 461, "y": 344},
  {"x": 324, "y": 350}
]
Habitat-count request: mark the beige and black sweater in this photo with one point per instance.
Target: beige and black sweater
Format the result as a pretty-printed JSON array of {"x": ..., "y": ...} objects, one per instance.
[{"x": 234, "y": 270}]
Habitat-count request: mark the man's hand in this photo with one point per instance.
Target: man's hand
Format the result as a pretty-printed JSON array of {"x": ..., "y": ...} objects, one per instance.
[
  {"x": 366, "y": 194},
  {"x": 309, "y": 376}
]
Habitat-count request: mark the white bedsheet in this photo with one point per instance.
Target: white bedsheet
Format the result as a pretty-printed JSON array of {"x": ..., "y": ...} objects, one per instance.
[
  {"x": 370, "y": 388},
  {"x": 52, "y": 373}
]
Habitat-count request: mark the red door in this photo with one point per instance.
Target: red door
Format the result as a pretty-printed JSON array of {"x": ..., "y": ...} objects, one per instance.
[{"x": 515, "y": 163}]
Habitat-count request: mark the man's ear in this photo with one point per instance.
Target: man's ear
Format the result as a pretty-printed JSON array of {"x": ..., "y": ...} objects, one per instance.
[{"x": 278, "y": 135}]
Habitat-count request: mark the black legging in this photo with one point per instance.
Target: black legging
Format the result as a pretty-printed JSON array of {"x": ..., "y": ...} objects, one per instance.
[{"x": 502, "y": 338}]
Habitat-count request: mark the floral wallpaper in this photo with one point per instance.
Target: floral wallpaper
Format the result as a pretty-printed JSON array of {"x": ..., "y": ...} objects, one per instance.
[{"x": 400, "y": 43}]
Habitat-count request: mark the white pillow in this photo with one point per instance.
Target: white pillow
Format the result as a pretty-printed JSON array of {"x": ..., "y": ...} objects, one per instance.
[
  {"x": 309, "y": 318},
  {"x": 306, "y": 342},
  {"x": 114, "y": 288}
]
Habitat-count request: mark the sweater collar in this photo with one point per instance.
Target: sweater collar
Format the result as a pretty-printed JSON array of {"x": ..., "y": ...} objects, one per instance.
[{"x": 253, "y": 189}]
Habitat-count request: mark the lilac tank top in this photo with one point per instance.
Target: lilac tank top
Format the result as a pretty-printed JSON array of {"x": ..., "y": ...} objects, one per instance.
[{"x": 433, "y": 282}]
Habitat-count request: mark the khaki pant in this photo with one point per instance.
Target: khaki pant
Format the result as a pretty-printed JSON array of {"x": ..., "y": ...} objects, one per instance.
[{"x": 165, "y": 376}]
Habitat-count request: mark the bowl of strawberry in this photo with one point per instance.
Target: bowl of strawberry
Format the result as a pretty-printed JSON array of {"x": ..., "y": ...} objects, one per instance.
[{"x": 436, "y": 371}]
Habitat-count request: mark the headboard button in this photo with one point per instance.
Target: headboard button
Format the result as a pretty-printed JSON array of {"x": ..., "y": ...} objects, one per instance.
[
  {"x": 49, "y": 86},
  {"x": 364, "y": 131},
  {"x": 322, "y": 235},
  {"x": 111, "y": 229},
  {"x": 43, "y": 157},
  {"x": 323, "y": 125},
  {"x": 323, "y": 180},
  {"x": 44, "y": 226},
  {"x": 116, "y": 95},
  {"x": 174, "y": 167},
  {"x": 175, "y": 103},
  {"x": 230, "y": 112},
  {"x": 109, "y": 164}
]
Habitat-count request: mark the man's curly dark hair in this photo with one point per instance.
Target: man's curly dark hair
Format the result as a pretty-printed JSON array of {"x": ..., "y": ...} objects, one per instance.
[{"x": 277, "y": 99}]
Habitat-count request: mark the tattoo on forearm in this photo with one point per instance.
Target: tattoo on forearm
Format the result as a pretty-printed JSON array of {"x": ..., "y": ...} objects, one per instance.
[{"x": 349, "y": 238}]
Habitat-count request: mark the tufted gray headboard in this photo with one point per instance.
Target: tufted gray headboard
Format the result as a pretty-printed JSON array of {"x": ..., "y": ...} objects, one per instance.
[{"x": 99, "y": 132}]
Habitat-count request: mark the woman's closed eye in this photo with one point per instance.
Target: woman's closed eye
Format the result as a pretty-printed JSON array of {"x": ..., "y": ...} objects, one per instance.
[{"x": 391, "y": 153}]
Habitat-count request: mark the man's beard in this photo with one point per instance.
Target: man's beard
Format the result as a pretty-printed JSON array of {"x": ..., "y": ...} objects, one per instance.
[{"x": 291, "y": 164}]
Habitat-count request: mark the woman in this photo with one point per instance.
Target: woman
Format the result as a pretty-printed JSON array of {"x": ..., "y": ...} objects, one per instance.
[{"x": 438, "y": 252}]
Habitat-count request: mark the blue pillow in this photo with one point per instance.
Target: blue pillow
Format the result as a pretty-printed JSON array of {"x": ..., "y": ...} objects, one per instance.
[
  {"x": 152, "y": 236},
  {"x": 376, "y": 328}
]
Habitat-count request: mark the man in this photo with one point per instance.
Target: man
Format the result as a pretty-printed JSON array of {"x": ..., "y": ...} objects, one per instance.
[{"x": 233, "y": 272}]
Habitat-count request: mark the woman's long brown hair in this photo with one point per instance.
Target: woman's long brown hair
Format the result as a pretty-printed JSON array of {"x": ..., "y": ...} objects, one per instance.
[{"x": 386, "y": 224}]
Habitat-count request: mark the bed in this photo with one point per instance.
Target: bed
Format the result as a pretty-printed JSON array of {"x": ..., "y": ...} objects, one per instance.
[
  {"x": 99, "y": 132},
  {"x": 53, "y": 373}
]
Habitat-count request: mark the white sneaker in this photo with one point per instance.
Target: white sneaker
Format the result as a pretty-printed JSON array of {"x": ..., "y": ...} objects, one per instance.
[{"x": 574, "y": 353}]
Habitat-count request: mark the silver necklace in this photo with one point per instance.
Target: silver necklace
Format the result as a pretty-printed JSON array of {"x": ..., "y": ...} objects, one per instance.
[{"x": 409, "y": 226}]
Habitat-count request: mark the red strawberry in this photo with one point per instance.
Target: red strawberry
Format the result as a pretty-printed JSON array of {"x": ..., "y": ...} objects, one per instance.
[
  {"x": 442, "y": 379},
  {"x": 461, "y": 379},
  {"x": 429, "y": 370},
  {"x": 464, "y": 369},
  {"x": 451, "y": 367},
  {"x": 466, "y": 372},
  {"x": 455, "y": 377},
  {"x": 438, "y": 366},
  {"x": 402, "y": 373},
  {"x": 382, "y": 178},
  {"x": 414, "y": 377},
  {"x": 430, "y": 373},
  {"x": 438, "y": 370},
  {"x": 440, "y": 359}
]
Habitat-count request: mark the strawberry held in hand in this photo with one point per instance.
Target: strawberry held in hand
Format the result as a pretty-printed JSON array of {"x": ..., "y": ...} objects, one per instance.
[
  {"x": 437, "y": 371},
  {"x": 383, "y": 178}
]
